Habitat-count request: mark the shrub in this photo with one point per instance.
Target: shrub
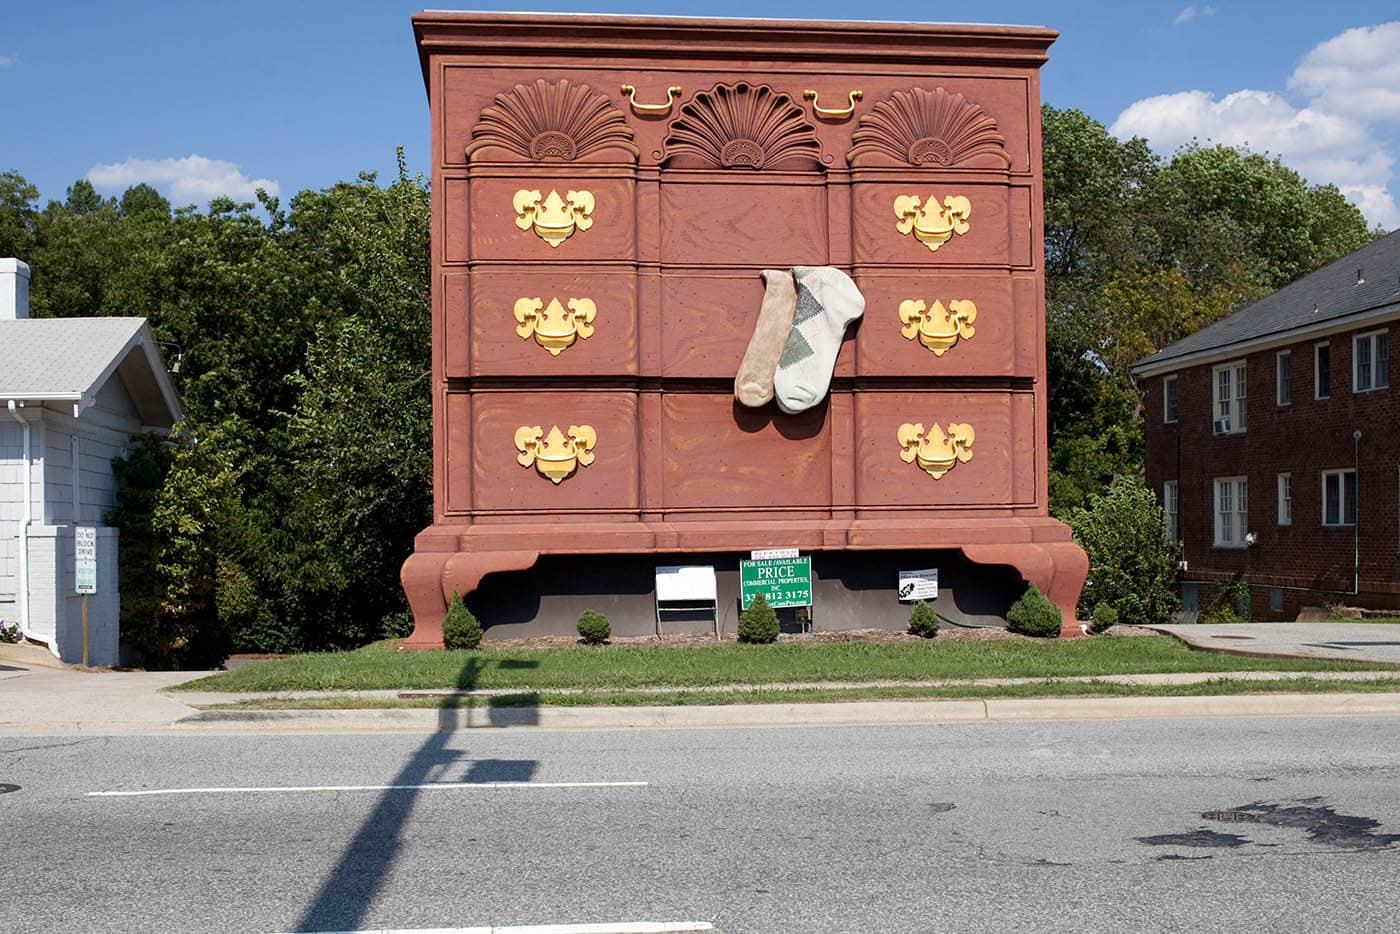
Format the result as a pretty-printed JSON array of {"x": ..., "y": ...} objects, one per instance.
[
  {"x": 1034, "y": 615},
  {"x": 758, "y": 623},
  {"x": 593, "y": 627},
  {"x": 923, "y": 621},
  {"x": 9, "y": 632},
  {"x": 1231, "y": 604},
  {"x": 460, "y": 630},
  {"x": 1104, "y": 616},
  {"x": 1132, "y": 567}
]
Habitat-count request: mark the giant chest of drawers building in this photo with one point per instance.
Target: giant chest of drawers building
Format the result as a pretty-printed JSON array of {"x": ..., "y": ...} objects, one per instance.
[{"x": 605, "y": 193}]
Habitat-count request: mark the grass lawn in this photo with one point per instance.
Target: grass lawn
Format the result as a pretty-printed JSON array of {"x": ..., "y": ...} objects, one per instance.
[
  {"x": 381, "y": 666},
  {"x": 1215, "y": 686}
]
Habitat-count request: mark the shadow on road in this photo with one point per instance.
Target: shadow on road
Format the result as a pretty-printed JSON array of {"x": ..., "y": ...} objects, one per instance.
[{"x": 345, "y": 897}]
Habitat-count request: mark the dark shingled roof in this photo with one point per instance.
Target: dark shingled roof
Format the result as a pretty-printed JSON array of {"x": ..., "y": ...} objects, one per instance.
[{"x": 1332, "y": 290}]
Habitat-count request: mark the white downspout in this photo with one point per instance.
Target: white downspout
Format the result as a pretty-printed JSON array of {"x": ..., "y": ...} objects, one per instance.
[{"x": 24, "y": 525}]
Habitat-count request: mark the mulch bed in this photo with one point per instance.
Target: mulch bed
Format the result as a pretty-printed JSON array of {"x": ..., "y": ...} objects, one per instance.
[{"x": 875, "y": 636}]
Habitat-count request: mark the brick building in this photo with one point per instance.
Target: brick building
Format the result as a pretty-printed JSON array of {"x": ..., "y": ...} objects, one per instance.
[{"x": 1273, "y": 441}]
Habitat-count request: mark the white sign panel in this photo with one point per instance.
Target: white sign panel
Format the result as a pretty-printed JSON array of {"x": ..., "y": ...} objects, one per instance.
[
  {"x": 692, "y": 582},
  {"x": 918, "y": 585},
  {"x": 766, "y": 554},
  {"x": 85, "y": 559}
]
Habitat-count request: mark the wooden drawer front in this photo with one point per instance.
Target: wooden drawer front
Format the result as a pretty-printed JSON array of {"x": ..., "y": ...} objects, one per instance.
[
  {"x": 1000, "y": 472},
  {"x": 494, "y": 233},
  {"x": 727, "y": 224},
  {"x": 716, "y": 454},
  {"x": 999, "y": 340},
  {"x": 499, "y": 481},
  {"x": 998, "y": 226},
  {"x": 498, "y": 349}
]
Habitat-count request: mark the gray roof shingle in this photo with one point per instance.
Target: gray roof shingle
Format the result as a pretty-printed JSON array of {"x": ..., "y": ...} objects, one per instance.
[
  {"x": 70, "y": 359},
  {"x": 1333, "y": 290}
]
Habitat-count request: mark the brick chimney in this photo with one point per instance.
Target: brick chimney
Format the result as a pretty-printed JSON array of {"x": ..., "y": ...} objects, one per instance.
[{"x": 14, "y": 290}]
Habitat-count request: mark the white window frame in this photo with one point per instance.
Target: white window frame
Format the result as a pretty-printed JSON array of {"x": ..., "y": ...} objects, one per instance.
[
  {"x": 1317, "y": 369},
  {"x": 1283, "y": 388},
  {"x": 1285, "y": 499},
  {"x": 1231, "y": 406},
  {"x": 1371, "y": 342},
  {"x": 1171, "y": 508},
  {"x": 1168, "y": 416},
  {"x": 1231, "y": 511},
  {"x": 1340, "y": 474}
]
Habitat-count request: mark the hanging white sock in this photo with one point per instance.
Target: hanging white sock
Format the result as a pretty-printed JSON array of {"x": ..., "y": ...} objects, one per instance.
[{"x": 827, "y": 302}]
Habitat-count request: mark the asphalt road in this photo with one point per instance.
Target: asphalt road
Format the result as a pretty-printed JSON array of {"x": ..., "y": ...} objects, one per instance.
[{"x": 1201, "y": 825}]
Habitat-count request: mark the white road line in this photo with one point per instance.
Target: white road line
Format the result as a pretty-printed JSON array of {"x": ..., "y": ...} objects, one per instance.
[
  {"x": 621, "y": 927},
  {"x": 435, "y": 786}
]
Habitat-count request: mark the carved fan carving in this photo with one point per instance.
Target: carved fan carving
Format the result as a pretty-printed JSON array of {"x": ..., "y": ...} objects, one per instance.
[
  {"x": 928, "y": 128},
  {"x": 742, "y": 126},
  {"x": 553, "y": 122}
]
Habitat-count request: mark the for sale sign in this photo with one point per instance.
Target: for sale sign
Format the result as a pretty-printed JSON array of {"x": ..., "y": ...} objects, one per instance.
[{"x": 782, "y": 581}]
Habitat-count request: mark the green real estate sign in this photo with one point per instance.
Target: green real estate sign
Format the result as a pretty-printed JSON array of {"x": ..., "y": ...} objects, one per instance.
[{"x": 782, "y": 581}]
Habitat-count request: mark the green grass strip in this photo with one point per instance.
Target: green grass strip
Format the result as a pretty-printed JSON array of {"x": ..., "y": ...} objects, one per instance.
[
  {"x": 1214, "y": 687},
  {"x": 381, "y": 666}
]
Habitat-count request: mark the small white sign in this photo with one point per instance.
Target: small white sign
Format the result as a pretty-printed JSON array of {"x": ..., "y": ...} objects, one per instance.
[
  {"x": 918, "y": 585},
  {"x": 766, "y": 554},
  {"x": 85, "y": 559},
  {"x": 686, "y": 582}
]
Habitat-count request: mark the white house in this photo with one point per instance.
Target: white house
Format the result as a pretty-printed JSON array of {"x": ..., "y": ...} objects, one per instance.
[{"x": 73, "y": 394}]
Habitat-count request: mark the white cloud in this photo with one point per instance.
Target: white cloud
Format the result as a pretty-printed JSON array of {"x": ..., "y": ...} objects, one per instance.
[
  {"x": 1356, "y": 73},
  {"x": 1338, "y": 136},
  {"x": 191, "y": 179},
  {"x": 7, "y": 60},
  {"x": 1191, "y": 12}
]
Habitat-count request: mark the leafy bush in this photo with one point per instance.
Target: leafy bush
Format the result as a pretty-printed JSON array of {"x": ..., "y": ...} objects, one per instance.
[
  {"x": 923, "y": 621},
  {"x": 1132, "y": 567},
  {"x": 9, "y": 632},
  {"x": 593, "y": 627},
  {"x": 460, "y": 630},
  {"x": 758, "y": 623},
  {"x": 396, "y": 625},
  {"x": 1034, "y": 615},
  {"x": 1231, "y": 604},
  {"x": 1104, "y": 616}
]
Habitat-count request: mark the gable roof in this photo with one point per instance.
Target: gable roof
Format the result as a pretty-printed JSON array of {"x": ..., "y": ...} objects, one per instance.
[
  {"x": 71, "y": 359},
  {"x": 1322, "y": 299}
]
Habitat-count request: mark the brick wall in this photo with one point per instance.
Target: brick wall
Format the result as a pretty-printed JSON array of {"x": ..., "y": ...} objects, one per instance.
[{"x": 1303, "y": 439}]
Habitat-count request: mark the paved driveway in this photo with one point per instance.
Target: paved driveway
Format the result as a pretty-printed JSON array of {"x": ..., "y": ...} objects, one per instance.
[{"x": 1359, "y": 642}]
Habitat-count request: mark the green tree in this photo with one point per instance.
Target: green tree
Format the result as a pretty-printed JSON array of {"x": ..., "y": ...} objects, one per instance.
[{"x": 1132, "y": 567}]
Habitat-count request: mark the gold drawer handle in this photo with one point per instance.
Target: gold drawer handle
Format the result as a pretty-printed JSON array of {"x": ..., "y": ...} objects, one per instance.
[
  {"x": 821, "y": 111},
  {"x": 673, "y": 92}
]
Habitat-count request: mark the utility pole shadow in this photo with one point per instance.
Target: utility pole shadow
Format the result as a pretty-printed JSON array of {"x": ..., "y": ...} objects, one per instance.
[{"x": 349, "y": 891}]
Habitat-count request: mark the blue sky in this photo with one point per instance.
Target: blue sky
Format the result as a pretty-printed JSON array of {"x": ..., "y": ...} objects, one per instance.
[{"x": 205, "y": 97}]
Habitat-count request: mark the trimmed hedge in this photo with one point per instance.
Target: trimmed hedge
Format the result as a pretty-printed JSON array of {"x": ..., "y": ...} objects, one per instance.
[
  {"x": 759, "y": 623},
  {"x": 923, "y": 621},
  {"x": 460, "y": 629},
  {"x": 593, "y": 627},
  {"x": 1034, "y": 615}
]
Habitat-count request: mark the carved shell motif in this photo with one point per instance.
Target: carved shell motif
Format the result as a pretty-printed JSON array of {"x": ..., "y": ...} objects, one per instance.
[
  {"x": 741, "y": 126},
  {"x": 552, "y": 122},
  {"x": 929, "y": 128}
]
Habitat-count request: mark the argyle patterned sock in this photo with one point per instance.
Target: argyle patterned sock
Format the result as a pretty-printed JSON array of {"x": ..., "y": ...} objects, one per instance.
[
  {"x": 753, "y": 386},
  {"x": 827, "y": 302}
]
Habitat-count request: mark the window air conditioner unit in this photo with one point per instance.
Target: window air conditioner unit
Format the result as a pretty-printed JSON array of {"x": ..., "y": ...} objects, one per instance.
[{"x": 1222, "y": 426}]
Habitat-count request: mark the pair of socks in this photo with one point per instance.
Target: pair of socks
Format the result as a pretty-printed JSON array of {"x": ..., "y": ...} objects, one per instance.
[{"x": 793, "y": 350}]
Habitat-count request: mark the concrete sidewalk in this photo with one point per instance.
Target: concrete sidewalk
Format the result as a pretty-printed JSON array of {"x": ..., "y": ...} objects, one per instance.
[
  {"x": 43, "y": 701},
  {"x": 1351, "y": 642}
]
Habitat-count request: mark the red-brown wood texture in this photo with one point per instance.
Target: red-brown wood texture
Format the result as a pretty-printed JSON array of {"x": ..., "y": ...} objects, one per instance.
[{"x": 688, "y": 204}]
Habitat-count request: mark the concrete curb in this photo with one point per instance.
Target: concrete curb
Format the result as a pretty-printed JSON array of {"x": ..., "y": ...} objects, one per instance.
[{"x": 854, "y": 713}]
